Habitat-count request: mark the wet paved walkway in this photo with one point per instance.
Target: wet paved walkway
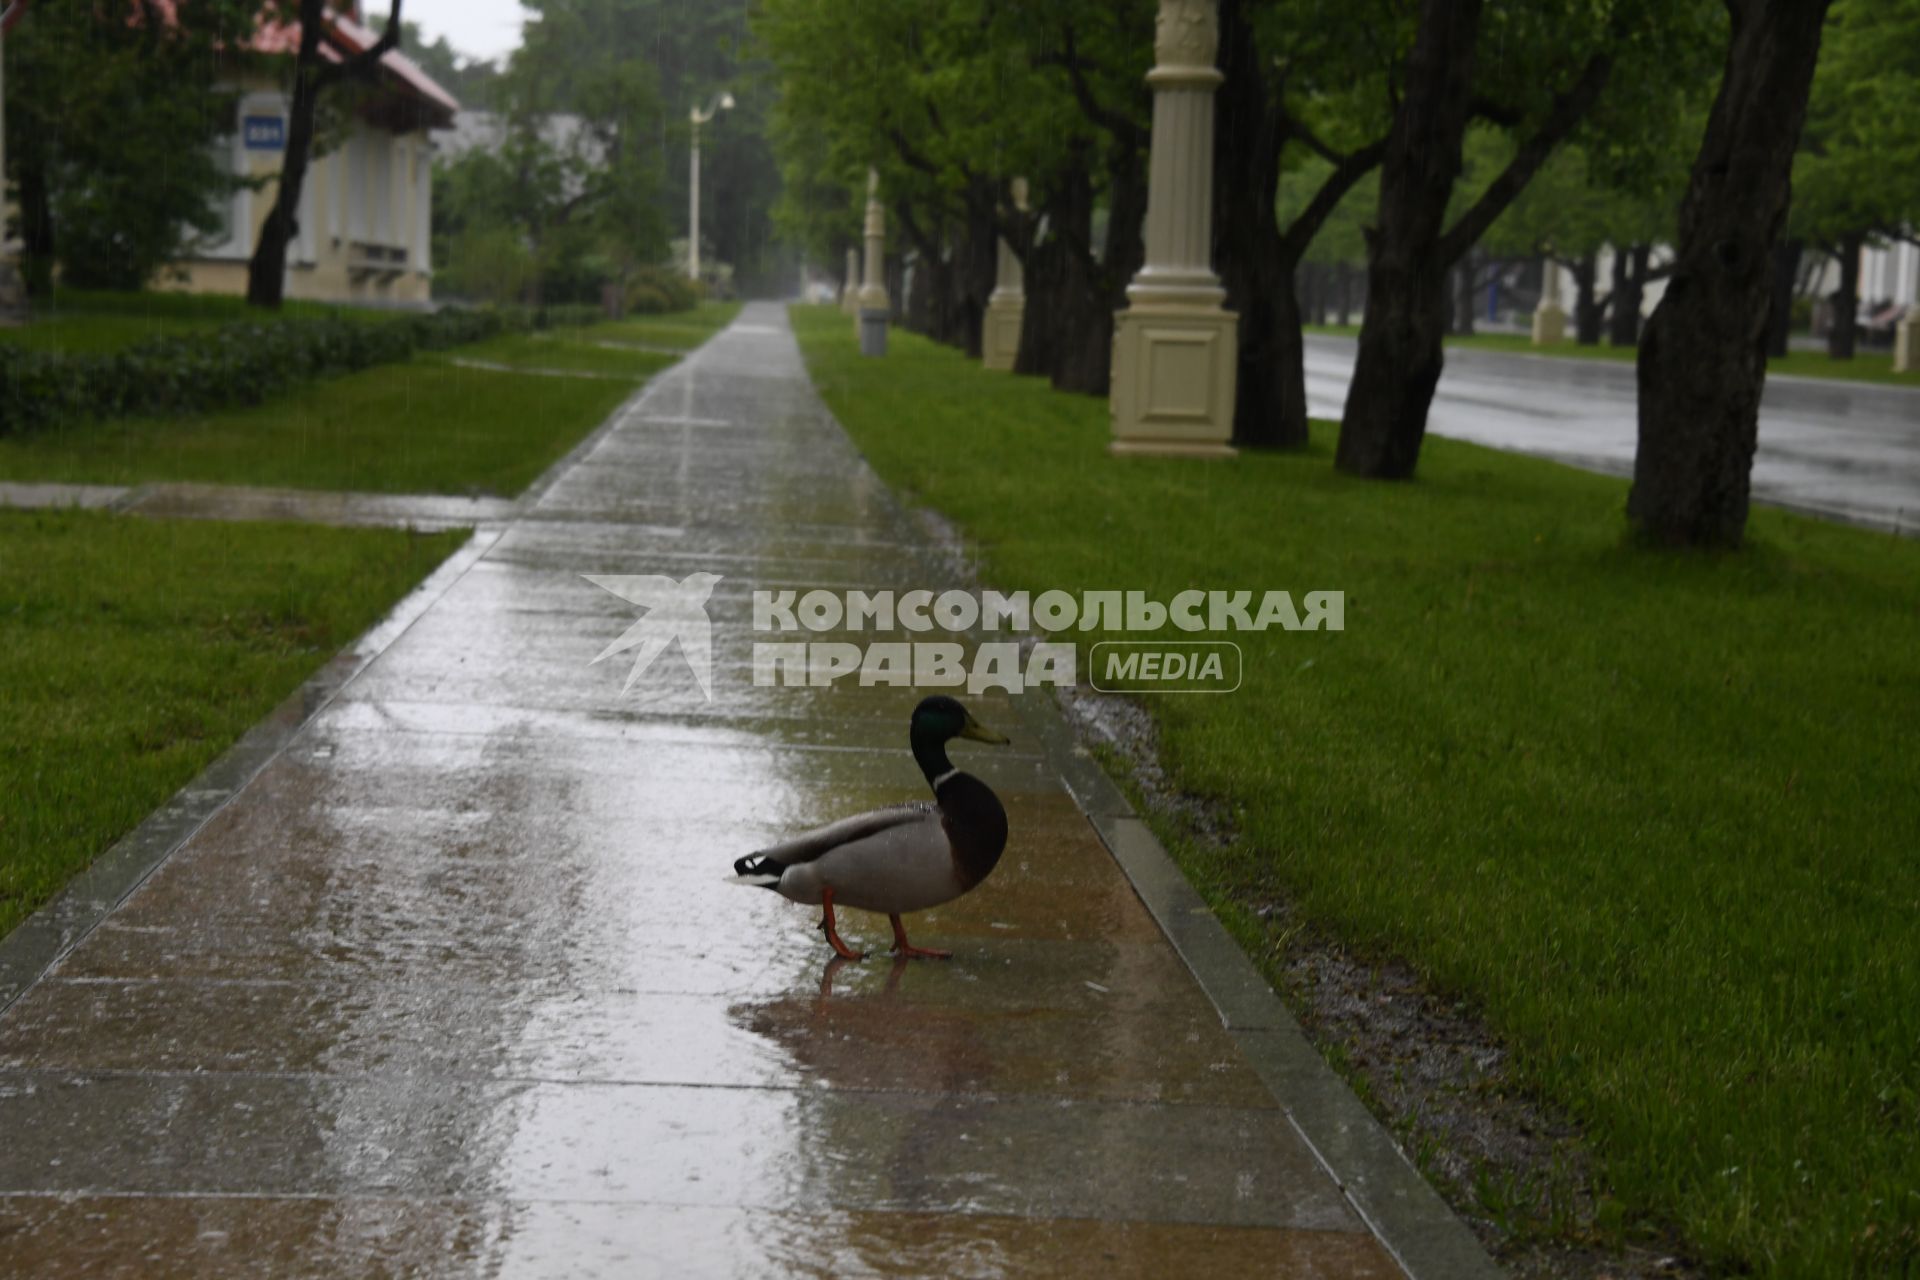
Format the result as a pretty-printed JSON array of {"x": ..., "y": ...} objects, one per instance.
[
  {"x": 453, "y": 985},
  {"x": 1847, "y": 450},
  {"x": 427, "y": 512}
]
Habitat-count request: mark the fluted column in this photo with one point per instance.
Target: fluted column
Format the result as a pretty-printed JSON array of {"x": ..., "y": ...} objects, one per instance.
[
  {"x": 850, "y": 292},
  {"x": 1174, "y": 345},
  {"x": 873, "y": 289},
  {"x": 1550, "y": 318},
  {"x": 1007, "y": 304}
]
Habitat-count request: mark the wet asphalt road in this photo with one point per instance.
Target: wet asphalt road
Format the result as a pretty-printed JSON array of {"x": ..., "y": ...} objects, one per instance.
[
  {"x": 455, "y": 986},
  {"x": 1850, "y": 450}
]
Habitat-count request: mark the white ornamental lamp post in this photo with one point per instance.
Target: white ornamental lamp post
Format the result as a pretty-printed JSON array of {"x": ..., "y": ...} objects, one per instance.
[
  {"x": 1174, "y": 347},
  {"x": 721, "y": 102},
  {"x": 1007, "y": 304},
  {"x": 1549, "y": 318},
  {"x": 873, "y": 289},
  {"x": 850, "y": 291}
]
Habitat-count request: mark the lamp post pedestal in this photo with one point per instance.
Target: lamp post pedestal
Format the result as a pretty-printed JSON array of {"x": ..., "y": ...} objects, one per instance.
[
  {"x": 1906, "y": 343},
  {"x": 874, "y": 306},
  {"x": 1007, "y": 304},
  {"x": 1174, "y": 346}
]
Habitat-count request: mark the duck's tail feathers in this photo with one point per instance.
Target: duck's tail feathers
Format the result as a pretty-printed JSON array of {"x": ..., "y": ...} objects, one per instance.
[{"x": 756, "y": 869}]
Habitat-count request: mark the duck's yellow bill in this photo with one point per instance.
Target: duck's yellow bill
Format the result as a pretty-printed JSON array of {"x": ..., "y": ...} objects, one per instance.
[{"x": 980, "y": 733}]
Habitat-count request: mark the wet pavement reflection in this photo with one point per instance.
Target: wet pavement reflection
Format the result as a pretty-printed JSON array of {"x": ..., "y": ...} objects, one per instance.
[
  {"x": 1826, "y": 446},
  {"x": 455, "y": 985}
]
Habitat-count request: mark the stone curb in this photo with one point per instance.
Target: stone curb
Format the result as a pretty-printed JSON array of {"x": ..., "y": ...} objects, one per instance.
[{"x": 1407, "y": 1215}]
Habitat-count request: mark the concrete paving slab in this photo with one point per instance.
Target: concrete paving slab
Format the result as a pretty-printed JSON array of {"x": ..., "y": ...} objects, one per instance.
[{"x": 448, "y": 979}]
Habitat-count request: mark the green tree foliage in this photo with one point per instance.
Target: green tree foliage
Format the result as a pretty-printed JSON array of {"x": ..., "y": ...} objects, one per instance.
[
  {"x": 569, "y": 201},
  {"x": 1856, "y": 178},
  {"x": 1858, "y": 168},
  {"x": 583, "y": 56},
  {"x": 112, "y": 129},
  {"x": 949, "y": 100}
]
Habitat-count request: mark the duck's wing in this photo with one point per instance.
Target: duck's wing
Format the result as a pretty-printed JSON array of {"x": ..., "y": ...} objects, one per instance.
[{"x": 817, "y": 843}]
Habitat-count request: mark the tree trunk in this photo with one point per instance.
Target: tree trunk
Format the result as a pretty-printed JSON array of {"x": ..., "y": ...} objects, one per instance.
[
  {"x": 1786, "y": 272},
  {"x": 1259, "y": 264},
  {"x": 1345, "y": 275},
  {"x": 976, "y": 265},
  {"x": 893, "y": 273},
  {"x": 1400, "y": 357},
  {"x": 1629, "y": 292},
  {"x": 1066, "y": 334},
  {"x": 1841, "y": 336},
  {"x": 1587, "y": 308},
  {"x": 36, "y": 225},
  {"x": 1260, "y": 277},
  {"x": 919, "y": 307},
  {"x": 1702, "y": 359},
  {"x": 267, "y": 271}
]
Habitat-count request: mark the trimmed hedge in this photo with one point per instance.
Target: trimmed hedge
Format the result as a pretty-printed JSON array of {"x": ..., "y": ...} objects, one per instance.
[
  {"x": 237, "y": 364},
  {"x": 655, "y": 291}
]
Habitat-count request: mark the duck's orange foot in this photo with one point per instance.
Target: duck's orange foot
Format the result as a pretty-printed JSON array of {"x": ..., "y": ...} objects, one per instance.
[
  {"x": 907, "y": 951},
  {"x": 840, "y": 948}
]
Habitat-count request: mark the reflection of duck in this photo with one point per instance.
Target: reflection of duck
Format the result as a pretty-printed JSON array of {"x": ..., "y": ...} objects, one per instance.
[{"x": 902, "y": 858}]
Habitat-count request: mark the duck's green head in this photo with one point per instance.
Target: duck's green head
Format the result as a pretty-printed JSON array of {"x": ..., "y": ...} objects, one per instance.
[{"x": 941, "y": 719}]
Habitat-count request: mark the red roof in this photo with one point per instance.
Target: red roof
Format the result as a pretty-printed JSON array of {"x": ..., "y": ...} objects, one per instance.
[{"x": 346, "y": 33}]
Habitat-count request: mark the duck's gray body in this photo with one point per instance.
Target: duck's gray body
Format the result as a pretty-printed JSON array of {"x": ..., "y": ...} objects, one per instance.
[
  {"x": 906, "y": 857},
  {"x": 894, "y": 860}
]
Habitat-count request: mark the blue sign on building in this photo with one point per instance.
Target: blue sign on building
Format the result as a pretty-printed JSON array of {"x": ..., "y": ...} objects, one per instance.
[{"x": 264, "y": 133}]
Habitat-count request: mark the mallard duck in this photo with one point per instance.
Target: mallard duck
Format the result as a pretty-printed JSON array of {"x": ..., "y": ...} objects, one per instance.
[{"x": 906, "y": 857}]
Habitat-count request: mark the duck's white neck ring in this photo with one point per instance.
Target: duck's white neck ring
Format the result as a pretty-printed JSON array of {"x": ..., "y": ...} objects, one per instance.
[{"x": 941, "y": 780}]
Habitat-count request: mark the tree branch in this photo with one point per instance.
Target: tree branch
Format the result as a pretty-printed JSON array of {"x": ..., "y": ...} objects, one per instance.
[
  {"x": 1348, "y": 170},
  {"x": 1125, "y": 131},
  {"x": 334, "y": 72},
  {"x": 1565, "y": 113}
]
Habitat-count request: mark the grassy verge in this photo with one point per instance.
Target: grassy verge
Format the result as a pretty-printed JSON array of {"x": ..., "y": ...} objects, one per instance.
[
  {"x": 421, "y": 427},
  {"x": 1655, "y": 814},
  {"x": 137, "y": 651},
  {"x": 569, "y": 351},
  {"x": 83, "y": 321},
  {"x": 680, "y": 331},
  {"x": 1865, "y": 367},
  {"x": 638, "y": 347},
  {"x": 429, "y": 426}
]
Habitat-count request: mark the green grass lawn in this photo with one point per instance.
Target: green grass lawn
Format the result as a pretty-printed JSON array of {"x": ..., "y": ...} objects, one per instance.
[
  {"x": 568, "y": 350},
  {"x": 429, "y": 426},
  {"x": 680, "y": 330},
  {"x": 1868, "y": 366},
  {"x": 1656, "y": 815},
  {"x": 137, "y": 651},
  {"x": 421, "y": 427},
  {"x": 83, "y": 321}
]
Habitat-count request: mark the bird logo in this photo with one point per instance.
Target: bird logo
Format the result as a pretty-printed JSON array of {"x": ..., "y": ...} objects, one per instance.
[{"x": 674, "y": 611}]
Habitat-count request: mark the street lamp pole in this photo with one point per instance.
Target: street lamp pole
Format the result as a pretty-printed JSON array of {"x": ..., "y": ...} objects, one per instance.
[{"x": 721, "y": 102}]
